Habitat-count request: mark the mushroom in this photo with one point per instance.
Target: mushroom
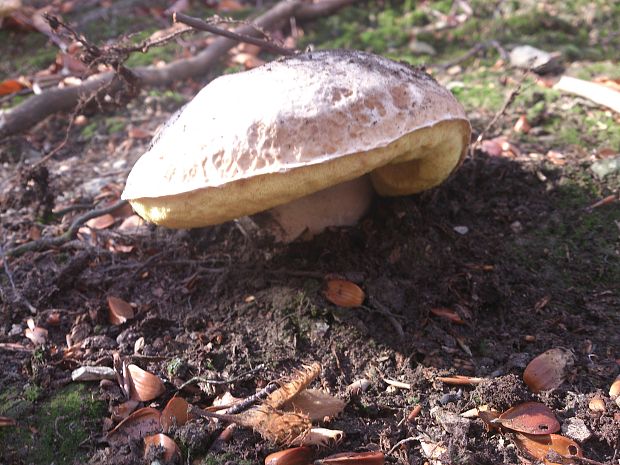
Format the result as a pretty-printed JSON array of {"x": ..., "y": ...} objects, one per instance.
[{"x": 307, "y": 138}]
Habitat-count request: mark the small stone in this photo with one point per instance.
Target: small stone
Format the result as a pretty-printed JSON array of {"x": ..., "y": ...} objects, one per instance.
[
  {"x": 462, "y": 230},
  {"x": 516, "y": 227},
  {"x": 16, "y": 330},
  {"x": 576, "y": 429},
  {"x": 90, "y": 373}
]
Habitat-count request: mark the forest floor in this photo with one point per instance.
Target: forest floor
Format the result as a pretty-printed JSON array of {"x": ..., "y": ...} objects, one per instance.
[{"x": 509, "y": 246}]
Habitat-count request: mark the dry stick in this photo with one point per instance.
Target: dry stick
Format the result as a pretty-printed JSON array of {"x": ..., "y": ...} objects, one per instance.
[
  {"x": 201, "y": 25},
  {"x": 199, "y": 379},
  {"x": 511, "y": 97},
  {"x": 49, "y": 242},
  {"x": 38, "y": 107}
]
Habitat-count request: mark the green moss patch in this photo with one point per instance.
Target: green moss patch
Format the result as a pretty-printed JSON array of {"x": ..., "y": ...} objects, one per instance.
[{"x": 54, "y": 430}]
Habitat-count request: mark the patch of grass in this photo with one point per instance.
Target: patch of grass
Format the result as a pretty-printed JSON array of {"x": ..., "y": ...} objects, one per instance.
[{"x": 56, "y": 429}]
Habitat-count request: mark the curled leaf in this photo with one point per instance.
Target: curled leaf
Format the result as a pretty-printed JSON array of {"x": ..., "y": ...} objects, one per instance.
[
  {"x": 294, "y": 456},
  {"x": 530, "y": 418},
  {"x": 145, "y": 386},
  {"x": 448, "y": 314},
  {"x": 35, "y": 333},
  {"x": 139, "y": 424},
  {"x": 543, "y": 447},
  {"x": 316, "y": 404},
  {"x": 548, "y": 370},
  {"x": 176, "y": 413},
  {"x": 6, "y": 421},
  {"x": 170, "y": 448},
  {"x": 119, "y": 311}
]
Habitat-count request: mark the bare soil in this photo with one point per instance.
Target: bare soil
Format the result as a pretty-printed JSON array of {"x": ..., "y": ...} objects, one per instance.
[{"x": 528, "y": 268}]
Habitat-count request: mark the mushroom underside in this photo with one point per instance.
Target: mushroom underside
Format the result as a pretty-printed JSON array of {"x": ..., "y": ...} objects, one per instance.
[{"x": 415, "y": 162}]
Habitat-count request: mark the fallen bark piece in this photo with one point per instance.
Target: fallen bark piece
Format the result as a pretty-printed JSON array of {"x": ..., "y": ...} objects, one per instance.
[
  {"x": 92, "y": 373},
  {"x": 598, "y": 93}
]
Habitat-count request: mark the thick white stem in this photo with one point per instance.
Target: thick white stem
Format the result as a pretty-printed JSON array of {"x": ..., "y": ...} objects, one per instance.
[{"x": 340, "y": 205}]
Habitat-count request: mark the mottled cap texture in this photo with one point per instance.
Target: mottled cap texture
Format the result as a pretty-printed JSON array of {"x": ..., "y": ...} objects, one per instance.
[{"x": 254, "y": 140}]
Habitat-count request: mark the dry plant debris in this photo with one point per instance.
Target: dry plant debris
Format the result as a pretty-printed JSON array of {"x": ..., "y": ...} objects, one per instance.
[{"x": 548, "y": 370}]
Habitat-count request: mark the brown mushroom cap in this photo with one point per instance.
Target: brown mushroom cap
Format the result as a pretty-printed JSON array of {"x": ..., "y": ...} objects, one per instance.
[{"x": 254, "y": 140}]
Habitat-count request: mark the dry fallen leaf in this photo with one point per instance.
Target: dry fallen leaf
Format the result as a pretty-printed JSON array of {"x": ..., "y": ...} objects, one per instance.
[
  {"x": 176, "y": 413},
  {"x": 101, "y": 222},
  {"x": 344, "y": 293},
  {"x": 353, "y": 458},
  {"x": 171, "y": 450},
  {"x": 522, "y": 125},
  {"x": 10, "y": 86},
  {"x": 145, "y": 386},
  {"x": 448, "y": 314},
  {"x": 35, "y": 333},
  {"x": 122, "y": 411},
  {"x": 137, "y": 425},
  {"x": 539, "y": 447},
  {"x": 6, "y": 421},
  {"x": 547, "y": 371},
  {"x": 530, "y": 418},
  {"x": 119, "y": 311},
  {"x": 294, "y": 456},
  {"x": 316, "y": 404}
]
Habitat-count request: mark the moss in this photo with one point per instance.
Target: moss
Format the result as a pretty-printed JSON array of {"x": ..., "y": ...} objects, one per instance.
[
  {"x": 55, "y": 430},
  {"x": 220, "y": 459}
]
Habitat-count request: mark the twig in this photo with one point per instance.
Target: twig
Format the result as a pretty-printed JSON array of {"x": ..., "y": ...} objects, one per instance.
[
  {"x": 511, "y": 97},
  {"x": 38, "y": 107},
  {"x": 18, "y": 295},
  {"x": 400, "y": 443},
  {"x": 197, "y": 23},
  {"x": 199, "y": 379},
  {"x": 251, "y": 400},
  {"x": 49, "y": 242},
  {"x": 480, "y": 47}
]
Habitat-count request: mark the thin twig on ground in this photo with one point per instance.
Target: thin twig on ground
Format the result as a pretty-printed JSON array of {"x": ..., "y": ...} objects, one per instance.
[
  {"x": 509, "y": 100},
  {"x": 217, "y": 382},
  {"x": 49, "y": 242},
  {"x": 201, "y": 25}
]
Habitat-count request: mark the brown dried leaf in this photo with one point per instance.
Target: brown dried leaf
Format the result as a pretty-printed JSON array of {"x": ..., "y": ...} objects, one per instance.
[
  {"x": 145, "y": 386},
  {"x": 294, "y": 456},
  {"x": 176, "y": 413},
  {"x": 538, "y": 447},
  {"x": 137, "y": 425},
  {"x": 547, "y": 371},
  {"x": 36, "y": 334},
  {"x": 171, "y": 450},
  {"x": 522, "y": 125},
  {"x": 10, "y": 86},
  {"x": 119, "y": 311},
  {"x": 344, "y": 293},
  {"x": 354, "y": 458},
  {"x": 101, "y": 222},
  {"x": 6, "y": 421},
  {"x": 530, "y": 418},
  {"x": 316, "y": 404},
  {"x": 122, "y": 411},
  {"x": 448, "y": 314}
]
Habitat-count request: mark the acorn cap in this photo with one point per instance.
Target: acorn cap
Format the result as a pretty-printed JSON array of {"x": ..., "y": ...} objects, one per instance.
[{"x": 254, "y": 140}]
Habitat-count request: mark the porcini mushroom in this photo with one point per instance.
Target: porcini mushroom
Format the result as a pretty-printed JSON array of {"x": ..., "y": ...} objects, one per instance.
[{"x": 306, "y": 137}]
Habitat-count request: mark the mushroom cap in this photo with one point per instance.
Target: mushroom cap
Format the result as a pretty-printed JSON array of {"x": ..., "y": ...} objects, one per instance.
[{"x": 253, "y": 140}]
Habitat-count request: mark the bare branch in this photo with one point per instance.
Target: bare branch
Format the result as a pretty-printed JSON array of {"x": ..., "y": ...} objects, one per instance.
[{"x": 38, "y": 107}]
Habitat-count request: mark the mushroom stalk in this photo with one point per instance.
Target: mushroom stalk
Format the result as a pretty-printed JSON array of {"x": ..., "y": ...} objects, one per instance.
[{"x": 340, "y": 205}]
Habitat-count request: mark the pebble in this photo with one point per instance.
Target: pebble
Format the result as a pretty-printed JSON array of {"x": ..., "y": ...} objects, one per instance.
[{"x": 576, "y": 429}]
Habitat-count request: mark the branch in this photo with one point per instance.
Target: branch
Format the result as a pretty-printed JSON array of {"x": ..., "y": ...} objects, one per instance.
[
  {"x": 38, "y": 107},
  {"x": 49, "y": 242},
  {"x": 205, "y": 26}
]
